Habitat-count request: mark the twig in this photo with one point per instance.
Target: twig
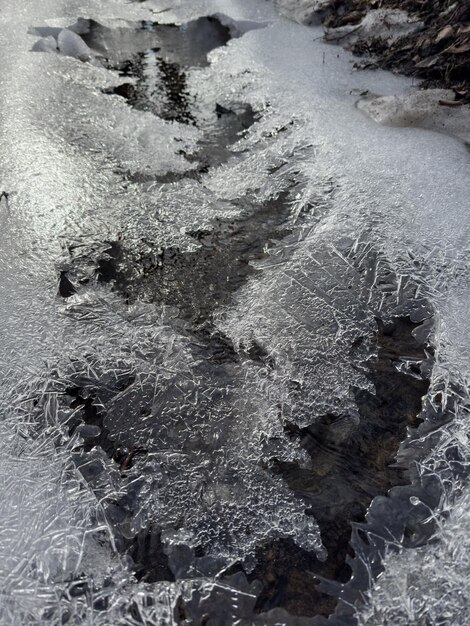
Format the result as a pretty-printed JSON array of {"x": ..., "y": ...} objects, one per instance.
[
  {"x": 5, "y": 195},
  {"x": 343, "y": 36}
]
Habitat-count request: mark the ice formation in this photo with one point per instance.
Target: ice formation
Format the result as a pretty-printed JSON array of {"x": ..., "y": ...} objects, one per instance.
[{"x": 169, "y": 321}]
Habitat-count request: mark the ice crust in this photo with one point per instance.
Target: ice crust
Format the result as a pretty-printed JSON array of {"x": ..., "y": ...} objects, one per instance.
[
  {"x": 429, "y": 584},
  {"x": 378, "y": 221}
]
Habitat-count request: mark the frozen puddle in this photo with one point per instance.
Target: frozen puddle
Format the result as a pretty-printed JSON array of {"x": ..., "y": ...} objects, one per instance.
[
  {"x": 159, "y": 84},
  {"x": 159, "y": 69},
  {"x": 234, "y": 359}
]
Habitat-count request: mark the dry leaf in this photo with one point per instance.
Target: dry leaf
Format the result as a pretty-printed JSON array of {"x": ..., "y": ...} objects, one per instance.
[
  {"x": 429, "y": 62},
  {"x": 459, "y": 49},
  {"x": 445, "y": 33},
  {"x": 451, "y": 103}
]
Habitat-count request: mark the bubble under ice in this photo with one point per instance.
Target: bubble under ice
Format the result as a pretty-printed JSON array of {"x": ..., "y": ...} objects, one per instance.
[{"x": 203, "y": 481}]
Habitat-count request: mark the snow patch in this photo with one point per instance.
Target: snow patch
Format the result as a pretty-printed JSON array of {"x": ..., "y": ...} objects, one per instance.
[{"x": 421, "y": 109}]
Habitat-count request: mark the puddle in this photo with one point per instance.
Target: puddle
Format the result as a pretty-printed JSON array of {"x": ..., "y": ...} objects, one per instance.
[
  {"x": 187, "y": 45},
  {"x": 213, "y": 149},
  {"x": 156, "y": 57},
  {"x": 159, "y": 87},
  {"x": 197, "y": 283},
  {"x": 226, "y": 128},
  {"x": 352, "y": 455}
]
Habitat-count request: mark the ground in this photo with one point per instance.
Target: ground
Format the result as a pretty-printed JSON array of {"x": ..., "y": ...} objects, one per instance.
[{"x": 438, "y": 52}]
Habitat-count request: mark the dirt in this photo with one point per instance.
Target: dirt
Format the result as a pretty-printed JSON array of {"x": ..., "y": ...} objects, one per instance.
[{"x": 438, "y": 53}]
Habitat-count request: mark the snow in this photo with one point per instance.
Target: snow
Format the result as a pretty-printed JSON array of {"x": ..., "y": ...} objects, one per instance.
[
  {"x": 365, "y": 201},
  {"x": 385, "y": 24},
  {"x": 421, "y": 109}
]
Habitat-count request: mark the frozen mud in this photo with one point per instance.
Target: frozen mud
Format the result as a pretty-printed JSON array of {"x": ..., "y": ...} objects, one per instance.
[{"x": 234, "y": 358}]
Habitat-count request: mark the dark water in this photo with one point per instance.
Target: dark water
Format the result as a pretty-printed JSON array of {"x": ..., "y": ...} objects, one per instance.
[{"x": 158, "y": 67}]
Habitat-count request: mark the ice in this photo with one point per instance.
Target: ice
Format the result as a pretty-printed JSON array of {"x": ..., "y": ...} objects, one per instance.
[
  {"x": 132, "y": 417},
  {"x": 429, "y": 585},
  {"x": 46, "y": 515},
  {"x": 46, "y": 44},
  {"x": 72, "y": 45}
]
